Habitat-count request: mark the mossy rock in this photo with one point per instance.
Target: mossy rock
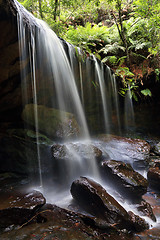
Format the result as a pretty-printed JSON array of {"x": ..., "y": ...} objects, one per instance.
[
  {"x": 51, "y": 122},
  {"x": 18, "y": 153}
]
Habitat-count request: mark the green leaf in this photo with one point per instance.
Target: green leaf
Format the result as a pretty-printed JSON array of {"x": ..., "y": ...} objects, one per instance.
[{"x": 146, "y": 92}]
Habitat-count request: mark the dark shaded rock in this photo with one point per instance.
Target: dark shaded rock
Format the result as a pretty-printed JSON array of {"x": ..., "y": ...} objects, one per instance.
[
  {"x": 16, "y": 199},
  {"x": 154, "y": 177},
  {"x": 29, "y": 135},
  {"x": 53, "y": 222},
  {"x": 138, "y": 223},
  {"x": 156, "y": 148},
  {"x": 154, "y": 161},
  {"x": 18, "y": 208},
  {"x": 125, "y": 177},
  {"x": 19, "y": 149},
  {"x": 95, "y": 200},
  {"x": 157, "y": 163},
  {"x": 52, "y": 122},
  {"x": 145, "y": 209},
  {"x": 14, "y": 216}
]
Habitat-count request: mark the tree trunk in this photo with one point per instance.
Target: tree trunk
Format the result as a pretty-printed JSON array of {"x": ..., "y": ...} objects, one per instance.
[
  {"x": 123, "y": 36},
  {"x": 40, "y": 9},
  {"x": 55, "y": 9}
]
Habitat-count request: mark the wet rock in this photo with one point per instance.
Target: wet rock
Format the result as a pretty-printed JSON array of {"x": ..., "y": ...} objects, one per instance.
[
  {"x": 121, "y": 148},
  {"x": 12, "y": 217},
  {"x": 29, "y": 134},
  {"x": 66, "y": 151},
  {"x": 17, "y": 208},
  {"x": 151, "y": 234},
  {"x": 138, "y": 223},
  {"x": 95, "y": 200},
  {"x": 52, "y": 222},
  {"x": 145, "y": 209},
  {"x": 156, "y": 148},
  {"x": 125, "y": 178},
  {"x": 73, "y": 159},
  {"x": 154, "y": 177},
  {"x": 52, "y": 122},
  {"x": 17, "y": 199}
]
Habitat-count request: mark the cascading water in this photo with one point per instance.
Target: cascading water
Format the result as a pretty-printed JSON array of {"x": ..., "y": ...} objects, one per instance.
[
  {"x": 100, "y": 75},
  {"x": 129, "y": 111},
  {"x": 56, "y": 77}
]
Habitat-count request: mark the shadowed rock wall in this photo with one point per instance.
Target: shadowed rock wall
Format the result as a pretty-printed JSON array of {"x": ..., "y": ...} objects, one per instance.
[{"x": 10, "y": 85}]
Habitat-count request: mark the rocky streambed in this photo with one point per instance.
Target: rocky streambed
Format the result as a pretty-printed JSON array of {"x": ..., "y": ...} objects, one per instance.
[{"x": 94, "y": 212}]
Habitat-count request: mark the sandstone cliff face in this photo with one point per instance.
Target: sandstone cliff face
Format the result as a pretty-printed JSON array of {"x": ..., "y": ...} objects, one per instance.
[{"x": 10, "y": 84}]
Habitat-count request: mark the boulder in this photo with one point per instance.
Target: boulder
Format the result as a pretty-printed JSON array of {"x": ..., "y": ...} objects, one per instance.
[
  {"x": 94, "y": 199},
  {"x": 52, "y": 222},
  {"x": 156, "y": 148},
  {"x": 52, "y": 122},
  {"x": 17, "y": 208},
  {"x": 125, "y": 149},
  {"x": 138, "y": 223},
  {"x": 29, "y": 200},
  {"x": 145, "y": 209},
  {"x": 65, "y": 151},
  {"x": 72, "y": 159},
  {"x": 125, "y": 178},
  {"x": 153, "y": 176}
]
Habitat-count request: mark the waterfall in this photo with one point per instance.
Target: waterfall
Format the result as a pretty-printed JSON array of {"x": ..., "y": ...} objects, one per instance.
[
  {"x": 129, "y": 111},
  {"x": 45, "y": 65},
  {"x": 55, "y": 75}
]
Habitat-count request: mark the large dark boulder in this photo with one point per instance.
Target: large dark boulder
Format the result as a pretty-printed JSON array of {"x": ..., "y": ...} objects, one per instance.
[
  {"x": 153, "y": 176},
  {"x": 52, "y": 222},
  {"x": 52, "y": 122},
  {"x": 17, "y": 208},
  {"x": 124, "y": 178},
  {"x": 94, "y": 199}
]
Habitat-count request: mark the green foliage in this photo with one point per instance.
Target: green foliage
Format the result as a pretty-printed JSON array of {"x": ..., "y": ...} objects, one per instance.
[
  {"x": 131, "y": 33},
  {"x": 149, "y": 11},
  {"x": 128, "y": 81},
  {"x": 111, "y": 59},
  {"x": 114, "y": 48},
  {"x": 87, "y": 37},
  {"x": 30, "y": 5},
  {"x": 59, "y": 28},
  {"x": 146, "y": 92},
  {"x": 157, "y": 72}
]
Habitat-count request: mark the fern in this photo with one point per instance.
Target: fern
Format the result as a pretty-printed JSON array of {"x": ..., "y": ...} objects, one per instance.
[
  {"x": 111, "y": 59},
  {"x": 146, "y": 92},
  {"x": 87, "y": 34},
  {"x": 139, "y": 44},
  {"x": 112, "y": 48}
]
